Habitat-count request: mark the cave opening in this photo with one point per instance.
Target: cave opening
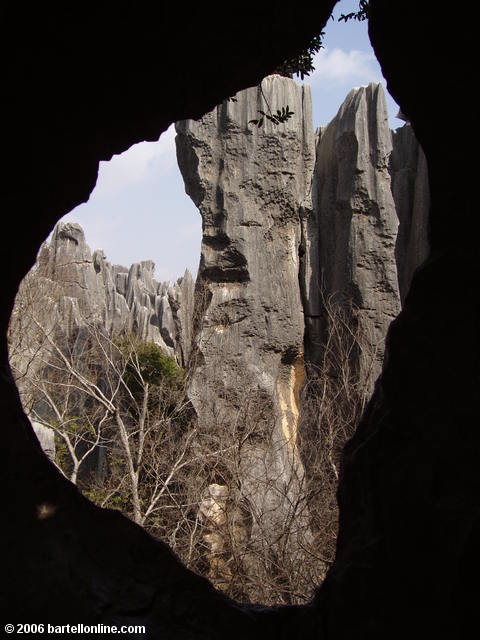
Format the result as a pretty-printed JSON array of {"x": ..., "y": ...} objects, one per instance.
[{"x": 217, "y": 509}]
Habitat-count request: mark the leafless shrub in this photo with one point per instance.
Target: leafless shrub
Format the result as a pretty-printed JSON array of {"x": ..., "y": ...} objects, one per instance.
[
  {"x": 230, "y": 497},
  {"x": 333, "y": 400}
]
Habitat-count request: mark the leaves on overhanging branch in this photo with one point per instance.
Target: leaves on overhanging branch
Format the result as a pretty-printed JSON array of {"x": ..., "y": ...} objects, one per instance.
[
  {"x": 281, "y": 116},
  {"x": 302, "y": 64},
  {"x": 360, "y": 15}
]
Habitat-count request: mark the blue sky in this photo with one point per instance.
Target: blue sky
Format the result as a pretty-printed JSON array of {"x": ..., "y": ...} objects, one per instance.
[{"x": 139, "y": 209}]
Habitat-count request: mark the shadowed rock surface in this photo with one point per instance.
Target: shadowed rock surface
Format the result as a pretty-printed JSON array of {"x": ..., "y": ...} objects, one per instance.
[
  {"x": 408, "y": 552},
  {"x": 271, "y": 260},
  {"x": 257, "y": 355},
  {"x": 46, "y": 437},
  {"x": 254, "y": 189},
  {"x": 408, "y": 167}
]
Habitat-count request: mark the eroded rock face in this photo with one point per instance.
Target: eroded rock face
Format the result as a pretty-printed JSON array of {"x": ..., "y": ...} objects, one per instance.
[
  {"x": 409, "y": 540},
  {"x": 268, "y": 256},
  {"x": 178, "y": 306},
  {"x": 350, "y": 237},
  {"x": 85, "y": 288},
  {"x": 70, "y": 294},
  {"x": 252, "y": 185}
]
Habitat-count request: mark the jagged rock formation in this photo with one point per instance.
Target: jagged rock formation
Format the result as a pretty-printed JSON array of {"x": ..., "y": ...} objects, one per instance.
[
  {"x": 350, "y": 236},
  {"x": 408, "y": 167},
  {"x": 82, "y": 287},
  {"x": 360, "y": 188},
  {"x": 180, "y": 301},
  {"x": 252, "y": 186}
]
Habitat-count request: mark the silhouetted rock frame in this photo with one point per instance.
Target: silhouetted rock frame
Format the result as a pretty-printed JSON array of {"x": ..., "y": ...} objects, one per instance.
[{"x": 81, "y": 83}]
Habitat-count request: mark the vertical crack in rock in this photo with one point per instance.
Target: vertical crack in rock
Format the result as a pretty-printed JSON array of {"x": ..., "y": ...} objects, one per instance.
[{"x": 251, "y": 185}]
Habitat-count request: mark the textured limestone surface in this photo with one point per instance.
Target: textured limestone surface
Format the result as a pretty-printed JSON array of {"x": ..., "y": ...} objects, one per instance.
[
  {"x": 408, "y": 167},
  {"x": 350, "y": 236},
  {"x": 252, "y": 186},
  {"x": 87, "y": 288}
]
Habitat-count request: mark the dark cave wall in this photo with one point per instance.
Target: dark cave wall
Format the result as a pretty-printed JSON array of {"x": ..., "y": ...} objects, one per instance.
[{"x": 426, "y": 56}]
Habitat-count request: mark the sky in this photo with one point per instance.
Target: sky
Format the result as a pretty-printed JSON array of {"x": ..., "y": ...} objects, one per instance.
[{"x": 139, "y": 209}]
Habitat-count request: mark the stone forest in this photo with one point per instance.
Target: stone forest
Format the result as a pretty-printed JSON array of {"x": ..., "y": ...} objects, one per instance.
[{"x": 285, "y": 444}]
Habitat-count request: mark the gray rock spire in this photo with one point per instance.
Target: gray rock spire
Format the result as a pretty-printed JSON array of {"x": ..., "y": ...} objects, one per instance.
[
  {"x": 350, "y": 237},
  {"x": 252, "y": 185}
]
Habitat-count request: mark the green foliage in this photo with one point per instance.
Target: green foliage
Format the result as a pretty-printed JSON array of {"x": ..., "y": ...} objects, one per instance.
[
  {"x": 94, "y": 494},
  {"x": 99, "y": 495},
  {"x": 302, "y": 65},
  {"x": 148, "y": 364},
  {"x": 74, "y": 427},
  {"x": 62, "y": 457},
  {"x": 155, "y": 365},
  {"x": 360, "y": 15},
  {"x": 275, "y": 118}
]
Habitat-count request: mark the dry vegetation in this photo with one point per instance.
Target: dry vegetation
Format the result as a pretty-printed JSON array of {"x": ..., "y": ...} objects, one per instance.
[{"x": 126, "y": 434}]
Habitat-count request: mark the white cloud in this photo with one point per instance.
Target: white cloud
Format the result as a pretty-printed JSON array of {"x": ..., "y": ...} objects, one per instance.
[
  {"x": 337, "y": 66},
  {"x": 142, "y": 162}
]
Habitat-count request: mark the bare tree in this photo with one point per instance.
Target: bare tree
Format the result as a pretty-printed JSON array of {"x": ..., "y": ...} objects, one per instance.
[
  {"x": 122, "y": 400},
  {"x": 99, "y": 392},
  {"x": 333, "y": 401}
]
